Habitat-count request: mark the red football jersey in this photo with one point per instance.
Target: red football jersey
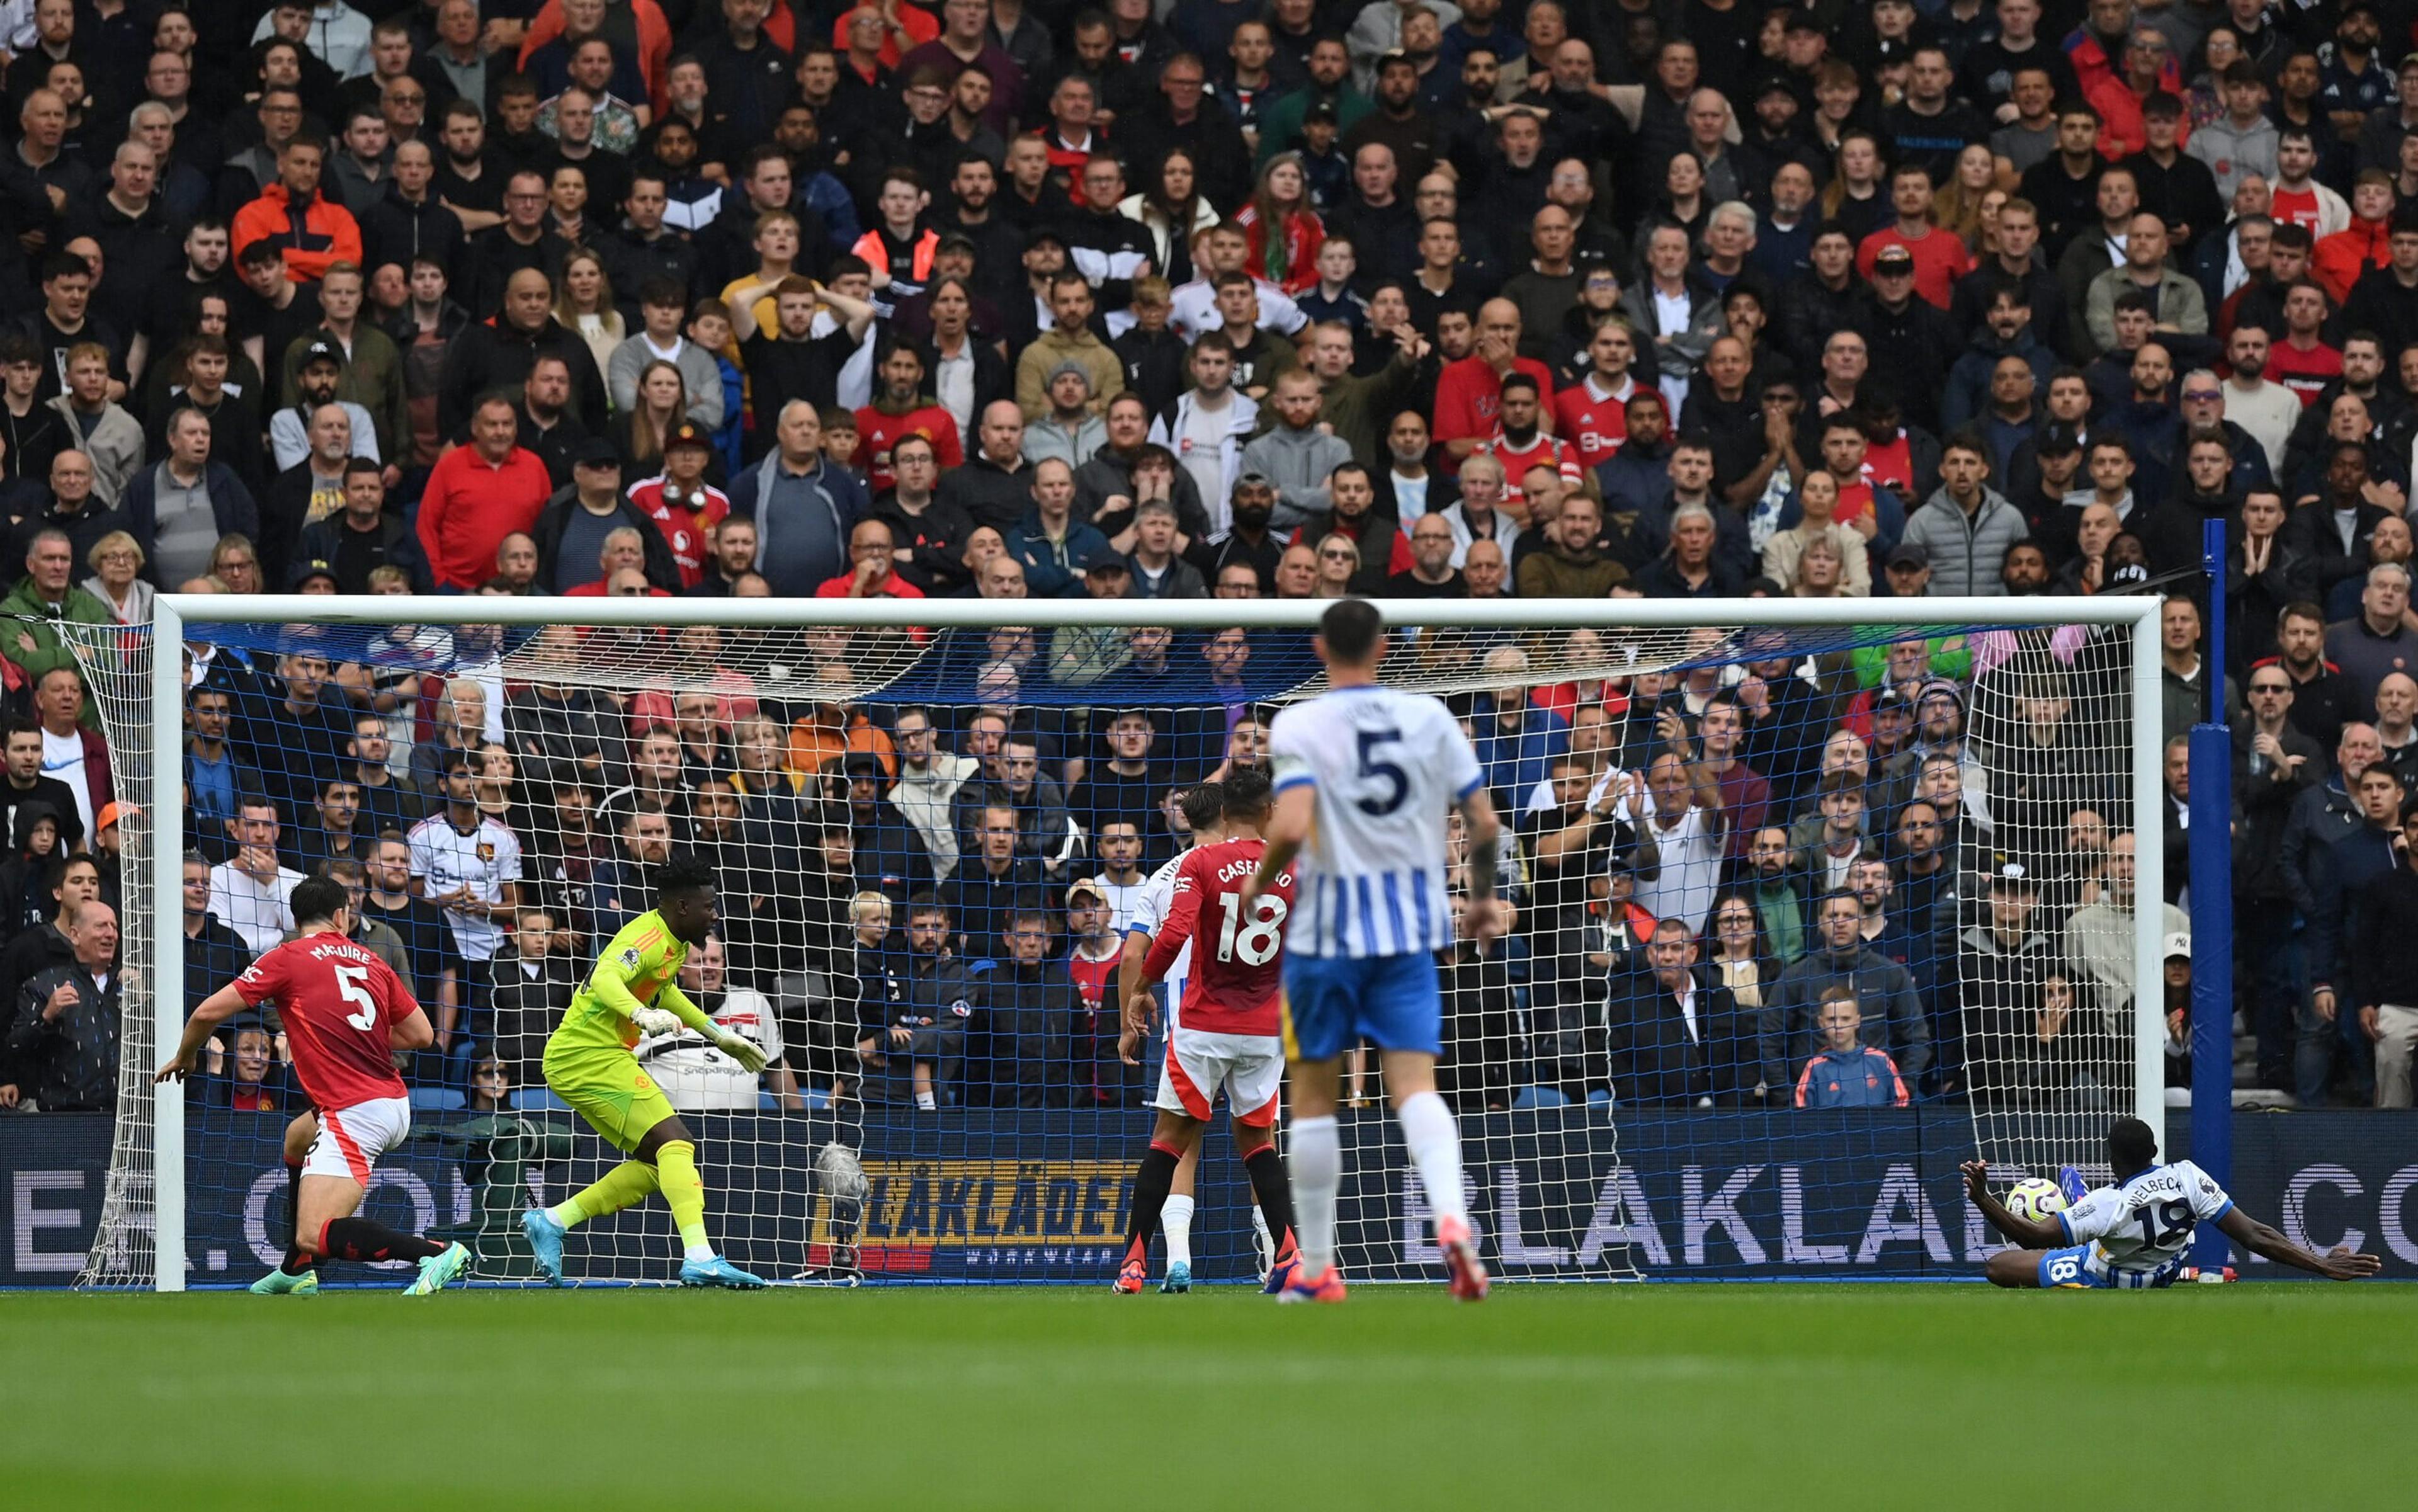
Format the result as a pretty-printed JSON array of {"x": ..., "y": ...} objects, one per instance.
[
  {"x": 689, "y": 532},
  {"x": 1237, "y": 963},
  {"x": 1596, "y": 428},
  {"x": 338, "y": 1001}
]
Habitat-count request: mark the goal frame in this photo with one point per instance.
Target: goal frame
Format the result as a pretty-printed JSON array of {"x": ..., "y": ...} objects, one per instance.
[{"x": 174, "y": 612}]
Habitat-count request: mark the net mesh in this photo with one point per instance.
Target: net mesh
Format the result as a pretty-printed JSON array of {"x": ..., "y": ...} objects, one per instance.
[{"x": 1613, "y": 1126}]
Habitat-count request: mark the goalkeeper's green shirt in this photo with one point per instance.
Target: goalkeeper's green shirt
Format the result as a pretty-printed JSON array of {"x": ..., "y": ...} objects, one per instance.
[{"x": 636, "y": 970}]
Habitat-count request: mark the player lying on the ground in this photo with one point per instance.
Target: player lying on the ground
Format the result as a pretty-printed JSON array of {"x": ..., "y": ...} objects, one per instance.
[
  {"x": 2136, "y": 1233},
  {"x": 1228, "y": 1038},
  {"x": 631, "y": 993},
  {"x": 345, "y": 1012},
  {"x": 1204, "y": 806},
  {"x": 1365, "y": 777}
]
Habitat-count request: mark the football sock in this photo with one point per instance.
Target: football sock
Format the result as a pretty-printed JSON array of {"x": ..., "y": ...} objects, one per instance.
[
  {"x": 360, "y": 1239},
  {"x": 1435, "y": 1144},
  {"x": 1175, "y": 1222},
  {"x": 684, "y": 1189},
  {"x": 297, "y": 1260},
  {"x": 1150, "y": 1201},
  {"x": 293, "y": 1202},
  {"x": 1267, "y": 1173},
  {"x": 625, "y": 1185},
  {"x": 1317, "y": 1172}
]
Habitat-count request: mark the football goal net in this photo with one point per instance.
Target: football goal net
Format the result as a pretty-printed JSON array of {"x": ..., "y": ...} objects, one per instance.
[{"x": 1814, "y": 899}]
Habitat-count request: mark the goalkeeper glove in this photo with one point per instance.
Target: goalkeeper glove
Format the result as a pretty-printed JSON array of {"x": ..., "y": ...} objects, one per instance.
[
  {"x": 739, "y": 1048},
  {"x": 656, "y": 1021}
]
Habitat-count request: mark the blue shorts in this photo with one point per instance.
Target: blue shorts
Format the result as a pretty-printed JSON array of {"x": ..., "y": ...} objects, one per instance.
[
  {"x": 2080, "y": 1265},
  {"x": 1332, "y": 1001}
]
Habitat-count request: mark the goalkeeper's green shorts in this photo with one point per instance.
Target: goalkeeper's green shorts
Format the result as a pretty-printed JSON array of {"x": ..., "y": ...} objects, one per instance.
[{"x": 610, "y": 1090}]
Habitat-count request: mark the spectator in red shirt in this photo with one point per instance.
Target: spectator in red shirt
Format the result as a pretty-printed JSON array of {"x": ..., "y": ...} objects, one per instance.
[
  {"x": 902, "y": 409},
  {"x": 2303, "y": 361},
  {"x": 622, "y": 568},
  {"x": 873, "y": 551},
  {"x": 1469, "y": 394},
  {"x": 1939, "y": 257},
  {"x": 684, "y": 507},
  {"x": 1592, "y": 415},
  {"x": 479, "y": 494}
]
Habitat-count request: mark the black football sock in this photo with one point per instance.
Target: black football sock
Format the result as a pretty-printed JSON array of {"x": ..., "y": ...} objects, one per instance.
[
  {"x": 293, "y": 1203},
  {"x": 297, "y": 1260},
  {"x": 1267, "y": 1173},
  {"x": 1152, "y": 1183},
  {"x": 361, "y": 1239}
]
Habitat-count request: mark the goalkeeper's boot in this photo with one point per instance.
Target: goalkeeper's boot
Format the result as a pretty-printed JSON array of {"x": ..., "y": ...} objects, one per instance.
[
  {"x": 1461, "y": 1259},
  {"x": 279, "y": 1284},
  {"x": 544, "y": 1238},
  {"x": 1179, "y": 1278},
  {"x": 1327, "y": 1285},
  {"x": 1132, "y": 1276},
  {"x": 438, "y": 1271},
  {"x": 2070, "y": 1181},
  {"x": 718, "y": 1271}
]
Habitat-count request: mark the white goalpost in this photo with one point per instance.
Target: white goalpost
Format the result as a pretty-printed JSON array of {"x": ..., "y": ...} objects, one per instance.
[{"x": 1603, "y": 1173}]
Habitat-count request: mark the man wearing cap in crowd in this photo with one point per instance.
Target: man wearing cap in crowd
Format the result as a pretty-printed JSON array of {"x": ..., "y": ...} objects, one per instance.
[
  {"x": 571, "y": 527},
  {"x": 315, "y": 575},
  {"x": 1905, "y": 572},
  {"x": 1070, "y": 428},
  {"x": 684, "y": 507},
  {"x": 315, "y": 381}
]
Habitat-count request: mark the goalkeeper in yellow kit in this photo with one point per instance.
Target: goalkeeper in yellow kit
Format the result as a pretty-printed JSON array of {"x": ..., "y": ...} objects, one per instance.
[{"x": 631, "y": 993}]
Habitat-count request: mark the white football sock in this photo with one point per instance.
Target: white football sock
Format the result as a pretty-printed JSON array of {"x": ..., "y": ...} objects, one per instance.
[
  {"x": 1315, "y": 1157},
  {"x": 1435, "y": 1144},
  {"x": 1175, "y": 1223}
]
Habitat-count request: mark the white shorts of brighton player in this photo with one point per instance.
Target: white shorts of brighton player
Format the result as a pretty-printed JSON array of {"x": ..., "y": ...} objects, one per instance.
[
  {"x": 1249, "y": 1067},
  {"x": 351, "y": 1138}
]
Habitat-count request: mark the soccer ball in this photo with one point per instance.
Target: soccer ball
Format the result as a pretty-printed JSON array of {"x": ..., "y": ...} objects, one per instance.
[{"x": 2034, "y": 1199}]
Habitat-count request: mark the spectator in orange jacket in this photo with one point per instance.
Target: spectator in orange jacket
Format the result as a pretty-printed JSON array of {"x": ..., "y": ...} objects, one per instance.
[
  {"x": 312, "y": 233},
  {"x": 2342, "y": 257}
]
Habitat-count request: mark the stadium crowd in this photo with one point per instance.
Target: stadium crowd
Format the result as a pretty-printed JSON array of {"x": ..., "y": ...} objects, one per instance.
[{"x": 1018, "y": 298}]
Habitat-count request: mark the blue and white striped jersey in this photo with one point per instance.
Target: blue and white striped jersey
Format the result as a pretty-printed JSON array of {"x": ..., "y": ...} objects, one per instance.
[{"x": 1388, "y": 767}]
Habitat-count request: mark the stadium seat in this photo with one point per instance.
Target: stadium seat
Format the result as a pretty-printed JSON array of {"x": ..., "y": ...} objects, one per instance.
[
  {"x": 538, "y": 1100},
  {"x": 1532, "y": 1098},
  {"x": 438, "y": 1100},
  {"x": 1600, "y": 1097}
]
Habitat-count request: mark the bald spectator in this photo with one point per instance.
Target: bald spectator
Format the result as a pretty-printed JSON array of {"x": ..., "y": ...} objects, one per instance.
[
  {"x": 490, "y": 357},
  {"x": 1469, "y": 392},
  {"x": 803, "y": 506},
  {"x": 479, "y": 494}
]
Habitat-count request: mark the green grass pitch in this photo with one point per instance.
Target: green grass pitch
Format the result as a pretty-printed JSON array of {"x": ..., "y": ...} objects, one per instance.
[{"x": 1750, "y": 1396}]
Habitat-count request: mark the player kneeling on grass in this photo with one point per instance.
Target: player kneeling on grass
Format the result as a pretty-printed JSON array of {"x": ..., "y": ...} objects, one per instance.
[
  {"x": 2136, "y": 1233},
  {"x": 1228, "y": 1038},
  {"x": 345, "y": 1012},
  {"x": 589, "y": 1064}
]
